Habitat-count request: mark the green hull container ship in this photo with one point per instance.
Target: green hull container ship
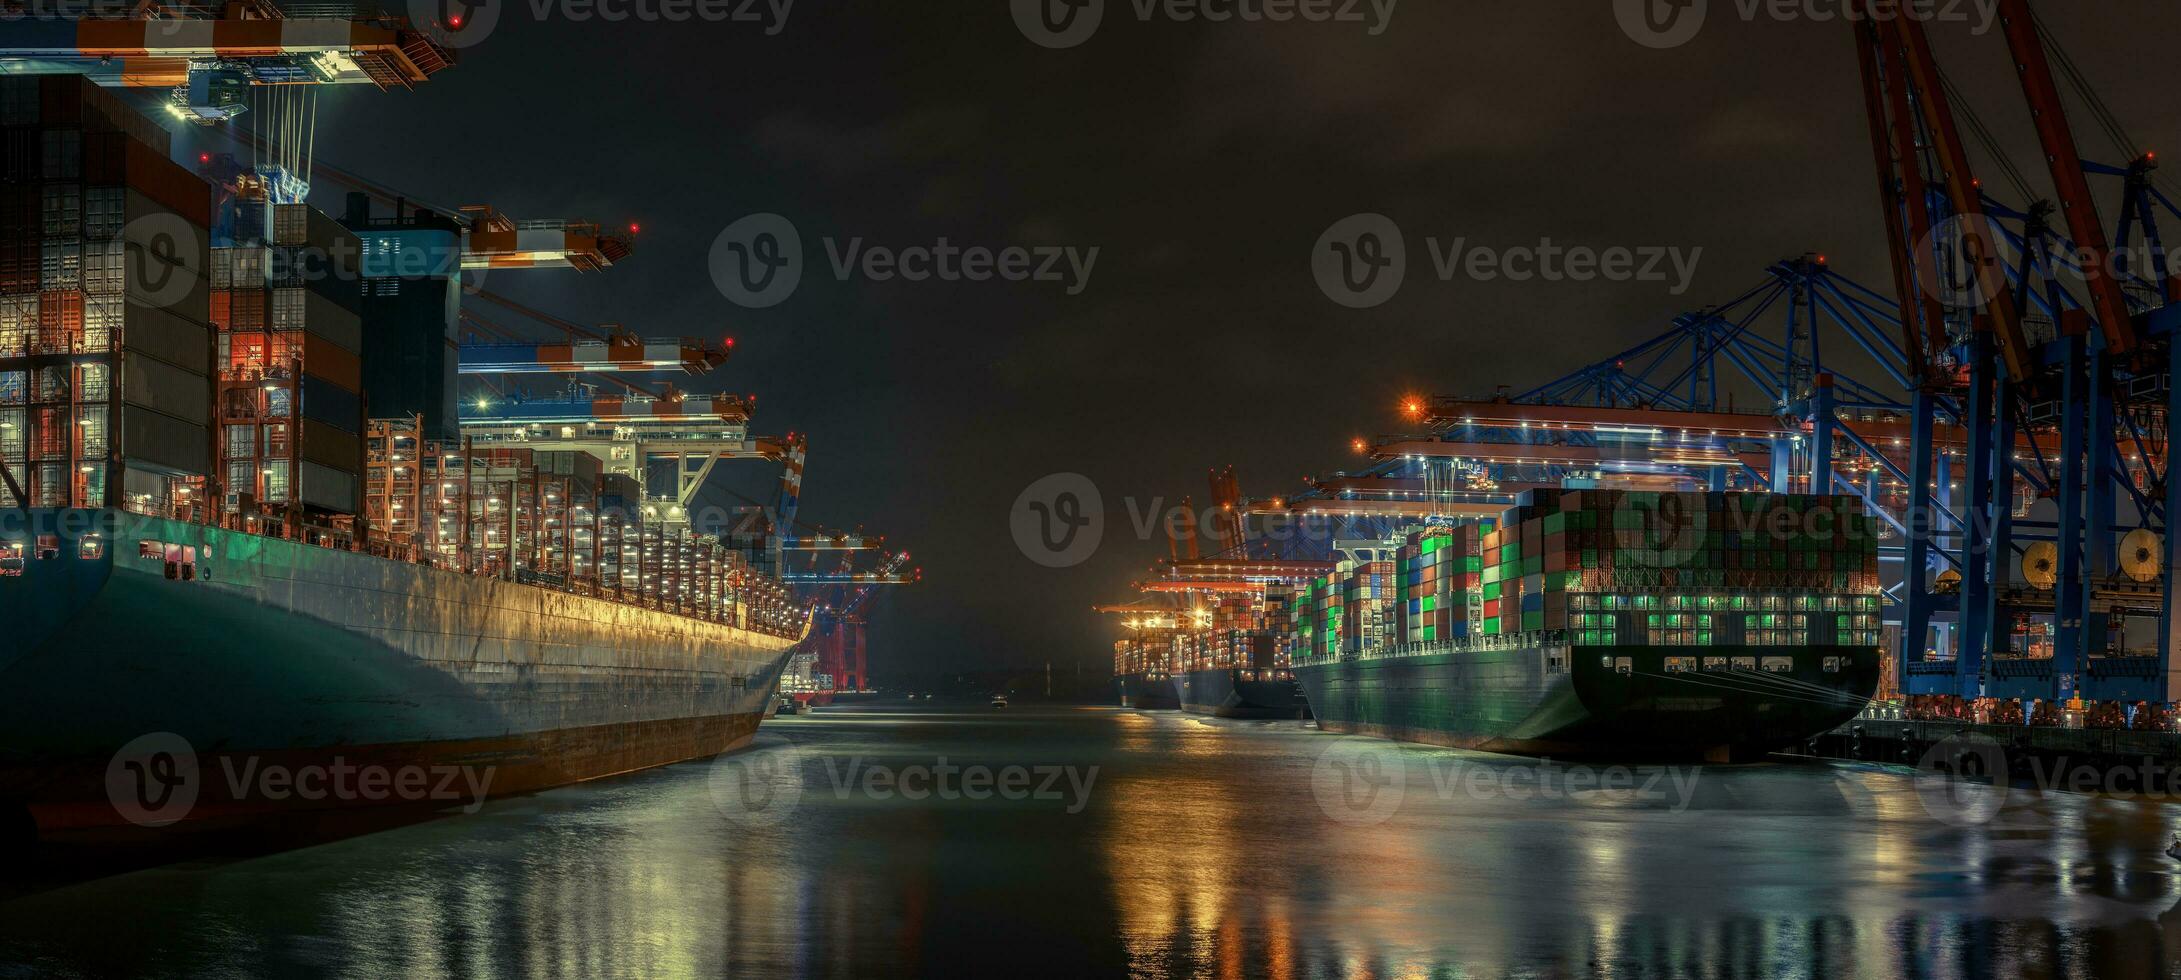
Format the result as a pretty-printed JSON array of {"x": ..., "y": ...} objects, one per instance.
[
  {"x": 1603, "y": 623},
  {"x": 171, "y": 676}
]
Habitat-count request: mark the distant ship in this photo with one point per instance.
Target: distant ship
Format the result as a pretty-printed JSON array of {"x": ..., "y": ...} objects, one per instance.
[
  {"x": 1151, "y": 690},
  {"x": 1242, "y": 692},
  {"x": 259, "y": 653},
  {"x": 802, "y": 682}
]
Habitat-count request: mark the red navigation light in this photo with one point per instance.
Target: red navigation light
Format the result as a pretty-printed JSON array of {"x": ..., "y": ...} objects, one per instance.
[
  {"x": 454, "y": 21},
  {"x": 729, "y": 341},
  {"x": 1361, "y": 446},
  {"x": 634, "y": 227}
]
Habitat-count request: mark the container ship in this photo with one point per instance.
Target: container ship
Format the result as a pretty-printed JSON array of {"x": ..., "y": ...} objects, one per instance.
[
  {"x": 1235, "y": 672},
  {"x": 1143, "y": 675},
  {"x": 1219, "y": 630},
  {"x": 1148, "y": 677},
  {"x": 802, "y": 681},
  {"x": 259, "y": 652},
  {"x": 1587, "y": 623},
  {"x": 209, "y": 546}
]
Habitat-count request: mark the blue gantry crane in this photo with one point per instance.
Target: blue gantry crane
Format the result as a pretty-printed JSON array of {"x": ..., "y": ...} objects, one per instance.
[{"x": 2005, "y": 409}]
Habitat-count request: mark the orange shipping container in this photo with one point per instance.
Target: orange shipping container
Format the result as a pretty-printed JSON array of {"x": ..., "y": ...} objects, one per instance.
[{"x": 327, "y": 361}]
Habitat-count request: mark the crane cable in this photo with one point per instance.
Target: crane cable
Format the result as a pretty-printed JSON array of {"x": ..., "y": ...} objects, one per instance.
[
  {"x": 1984, "y": 137},
  {"x": 2101, "y": 114}
]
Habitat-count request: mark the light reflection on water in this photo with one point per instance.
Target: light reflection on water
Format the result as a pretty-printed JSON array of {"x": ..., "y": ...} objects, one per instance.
[{"x": 1203, "y": 852}]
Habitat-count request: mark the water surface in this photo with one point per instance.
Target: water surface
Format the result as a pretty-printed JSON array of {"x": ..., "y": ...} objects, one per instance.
[{"x": 1162, "y": 845}]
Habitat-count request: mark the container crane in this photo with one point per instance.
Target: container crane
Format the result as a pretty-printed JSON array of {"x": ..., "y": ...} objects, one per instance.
[
  {"x": 618, "y": 351},
  {"x": 2104, "y": 379},
  {"x": 839, "y": 632},
  {"x": 497, "y": 241},
  {"x": 211, "y": 59},
  {"x": 491, "y": 239},
  {"x": 589, "y": 408}
]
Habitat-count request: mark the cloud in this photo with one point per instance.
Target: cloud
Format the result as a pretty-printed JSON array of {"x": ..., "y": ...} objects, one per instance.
[
  {"x": 934, "y": 132},
  {"x": 1432, "y": 86}
]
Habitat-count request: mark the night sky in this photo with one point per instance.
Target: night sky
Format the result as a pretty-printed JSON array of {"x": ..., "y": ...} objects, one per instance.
[{"x": 1203, "y": 161}]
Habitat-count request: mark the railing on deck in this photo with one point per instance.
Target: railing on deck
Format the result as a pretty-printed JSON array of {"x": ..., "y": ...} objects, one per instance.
[
  {"x": 336, "y": 539},
  {"x": 1505, "y": 641}
]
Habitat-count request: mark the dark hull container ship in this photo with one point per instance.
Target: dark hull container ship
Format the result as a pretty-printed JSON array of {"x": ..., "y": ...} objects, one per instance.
[
  {"x": 1237, "y": 692},
  {"x": 1150, "y": 691},
  {"x": 1623, "y": 702},
  {"x": 1607, "y": 623}
]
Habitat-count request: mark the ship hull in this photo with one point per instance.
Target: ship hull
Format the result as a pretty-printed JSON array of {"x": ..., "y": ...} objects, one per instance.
[
  {"x": 280, "y": 674},
  {"x": 1149, "y": 692},
  {"x": 1552, "y": 701},
  {"x": 1237, "y": 693}
]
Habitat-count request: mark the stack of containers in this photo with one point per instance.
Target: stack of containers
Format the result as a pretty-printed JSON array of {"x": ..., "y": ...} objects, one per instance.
[
  {"x": 1630, "y": 541},
  {"x": 1443, "y": 588},
  {"x": 1406, "y": 563},
  {"x": 1303, "y": 622},
  {"x": 1279, "y": 623},
  {"x": 1518, "y": 575},
  {"x": 1466, "y": 581},
  {"x": 285, "y": 302},
  {"x": 1332, "y": 612},
  {"x": 1640, "y": 542},
  {"x": 1369, "y": 596},
  {"x": 103, "y": 386},
  {"x": 1501, "y": 577},
  {"x": 1128, "y": 658},
  {"x": 1421, "y": 584}
]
